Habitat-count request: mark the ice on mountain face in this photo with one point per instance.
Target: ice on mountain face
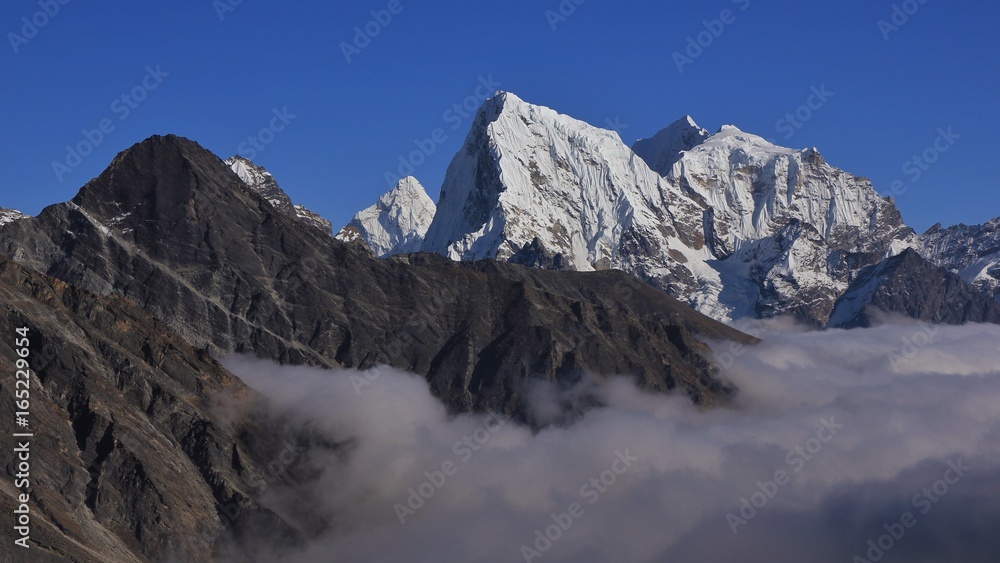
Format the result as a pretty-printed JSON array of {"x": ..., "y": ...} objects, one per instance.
[
  {"x": 10, "y": 215},
  {"x": 757, "y": 189},
  {"x": 263, "y": 183},
  {"x": 736, "y": 227},
  {"x": 972, "y": 252},
  {"x": 396, "y": 224},
  {"x": 664, "y": 149},
  {"x": 529, "y": 178}
]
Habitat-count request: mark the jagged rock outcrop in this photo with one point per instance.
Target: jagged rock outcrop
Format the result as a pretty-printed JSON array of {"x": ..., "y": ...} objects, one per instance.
[{"x": 910, "y": 285}]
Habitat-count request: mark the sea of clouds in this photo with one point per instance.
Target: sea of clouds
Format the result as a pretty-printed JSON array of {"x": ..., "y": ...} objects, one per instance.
[{"x": 878, "y": 444}]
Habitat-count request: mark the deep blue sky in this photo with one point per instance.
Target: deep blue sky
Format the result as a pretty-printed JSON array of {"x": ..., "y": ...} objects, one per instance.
[{"x": 607, "y": 61}]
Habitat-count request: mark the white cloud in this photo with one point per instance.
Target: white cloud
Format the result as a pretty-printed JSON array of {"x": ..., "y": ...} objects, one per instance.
[{"x": 906, "y": 410}]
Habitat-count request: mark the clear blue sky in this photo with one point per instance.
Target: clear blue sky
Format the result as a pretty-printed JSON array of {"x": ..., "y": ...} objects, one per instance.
[{"x": 606, "y": 61}]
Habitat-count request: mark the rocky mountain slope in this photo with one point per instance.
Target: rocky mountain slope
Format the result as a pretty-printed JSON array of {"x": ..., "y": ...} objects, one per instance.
[
  {"x": 973, "y": 252},
  {"x": 396, "y": 224},
  {"x": 130, "y": 460},
  {"x": 262, "y": 182},
  {"x": 909, "y": 285},
  {"x": 172, "y": 228},
  {"x": 735, "y": 226}
]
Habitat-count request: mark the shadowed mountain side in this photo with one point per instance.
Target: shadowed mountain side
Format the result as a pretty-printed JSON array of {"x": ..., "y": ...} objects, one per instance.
[
  {"x": 171, "y": 227},
  {"x": 910, "y": 285},
  {"x": 130, "y": 460}
]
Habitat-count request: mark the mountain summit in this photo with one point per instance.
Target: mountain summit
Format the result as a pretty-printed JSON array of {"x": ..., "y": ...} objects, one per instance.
[
  {"x": 664, "y": 149},
  {"x": 535, "y": 187},
  {"x": 397, "y": 223}
]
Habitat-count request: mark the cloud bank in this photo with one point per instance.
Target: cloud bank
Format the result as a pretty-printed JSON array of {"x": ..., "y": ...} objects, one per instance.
[{"x": 877, "y": 444}]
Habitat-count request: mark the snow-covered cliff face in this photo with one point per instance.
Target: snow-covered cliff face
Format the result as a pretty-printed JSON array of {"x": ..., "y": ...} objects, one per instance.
[
  {"x": 972, "y": 252},
  {"x": 756, "y": 188},
  {"x": 794, "y": 227},
  {"x": 10, "y": 215},
  {"x": 262, "y": 182},
  {"x": 397, "y": 223},
  {"x": 535, "y": 187}
]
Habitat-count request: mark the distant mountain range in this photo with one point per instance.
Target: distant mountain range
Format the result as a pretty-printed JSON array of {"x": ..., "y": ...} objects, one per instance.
[{"x": 729, "y": 223}]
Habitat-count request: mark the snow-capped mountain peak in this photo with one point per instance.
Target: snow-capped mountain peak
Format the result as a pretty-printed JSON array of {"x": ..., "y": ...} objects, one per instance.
[
  {"x": 536, "y": 187},
  {"x": 664, "y": 149},
  {"x": 397, "y": 223},
  {"x": 737, "y": 226}
]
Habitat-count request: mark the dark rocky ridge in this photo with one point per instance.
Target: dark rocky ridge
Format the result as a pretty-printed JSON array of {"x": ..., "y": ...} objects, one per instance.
[
  {"x": 169, "y": 226},
  {"x": 130, "y": 460},
  {"x": 910, "y": 285}
]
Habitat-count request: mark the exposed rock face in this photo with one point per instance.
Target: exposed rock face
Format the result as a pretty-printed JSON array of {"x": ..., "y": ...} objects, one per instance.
[
  {"x": 909, "y": 285},
  {"x": 262, "y": 182},
  {"x": 130, "y": 462},
  {"x": 664, "y": 149},
  {"x": 971, "y": 252},
  {"x": 396, "y": 224},
  {"x": 170, "y": 227}
]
